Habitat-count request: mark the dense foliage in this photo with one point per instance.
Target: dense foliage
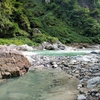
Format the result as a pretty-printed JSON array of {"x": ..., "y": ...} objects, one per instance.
[{"x": 68, "y": 20}]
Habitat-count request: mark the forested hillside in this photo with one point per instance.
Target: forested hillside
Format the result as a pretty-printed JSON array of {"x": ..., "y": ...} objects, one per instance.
[{"x": 35, "y": 21}]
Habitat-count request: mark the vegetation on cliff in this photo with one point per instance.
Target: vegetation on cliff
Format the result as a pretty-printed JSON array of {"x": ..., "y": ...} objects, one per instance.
[{"x": 68, "y": 20}]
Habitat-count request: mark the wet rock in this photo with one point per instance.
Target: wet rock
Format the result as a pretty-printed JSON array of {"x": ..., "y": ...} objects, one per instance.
[
  {"x": 40, "y": 67},
  {"x": 6, "y": 74},
  {"x": 93, "y": 82},
  {"x": 12, "y": 63},
  {"x": 97, "y": 95},
  {"x": 93, "y": 52},
  {"x": 49, "y": 47},
  {"x": 24, "y": 48},
  {"x": 81, "y": 97},
  {"x": 81, "y": 92},
  {"x": 93, "y": 91},
  {"x": 77, "y": 72},
  {"x": 54, "y": 65},
  {"x": 61, "y": 47},
  {"x": 79, "y": 85},
  {"x": 93, "y": 94}
]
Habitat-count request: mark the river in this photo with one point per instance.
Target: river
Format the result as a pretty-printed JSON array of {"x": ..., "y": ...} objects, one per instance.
[
  {"x": 47, "y": 84},
  {"x": 40, "y": 85}
]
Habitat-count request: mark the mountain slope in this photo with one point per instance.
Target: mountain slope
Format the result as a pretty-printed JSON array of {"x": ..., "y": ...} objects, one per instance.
[{"x": 68, "y": 20}]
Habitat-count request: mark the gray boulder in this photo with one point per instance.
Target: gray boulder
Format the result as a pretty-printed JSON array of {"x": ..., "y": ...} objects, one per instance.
[
  {"x": 93, "y": 82},
  {"x": 49, "y": 47},
  {"x": 24, "y": 48}
]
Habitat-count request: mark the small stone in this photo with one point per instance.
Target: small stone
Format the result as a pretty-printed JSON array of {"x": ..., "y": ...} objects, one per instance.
[
  {"x": 78, "y": 88},
  {"x": 39, "y": 67},
  {"x": 97, "y": 95},
  {"x": 94, "y": 91},
  {"x": 54, "y": 65},
  {"x": 6, "y": 75},
  {"x": 0, "y": 76},
  {"x": 81, "y": 91},
  {"x": 77, "y": 75},
  {"x": 81, "y": 97},
  {"x": 80, "y": 85},
  {"x": 88, "y": 74},
  {"x": 77, "y": 72}
]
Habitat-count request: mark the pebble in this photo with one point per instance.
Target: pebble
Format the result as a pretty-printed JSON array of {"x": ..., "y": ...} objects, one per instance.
[
  {"x": 77, "y": 72},
  {"x": 81, "y": 97},
  {"x": 97, "y": 95},
  {"x": 80, "y": 85}
]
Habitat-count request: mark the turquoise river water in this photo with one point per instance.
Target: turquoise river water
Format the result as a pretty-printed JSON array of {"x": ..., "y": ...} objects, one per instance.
[
  {"x": 60, "y": 52},
  {"x": 41, "y": 85}
]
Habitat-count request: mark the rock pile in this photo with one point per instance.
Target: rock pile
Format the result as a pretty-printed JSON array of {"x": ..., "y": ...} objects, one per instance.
[{"x": 12, "y": 63}]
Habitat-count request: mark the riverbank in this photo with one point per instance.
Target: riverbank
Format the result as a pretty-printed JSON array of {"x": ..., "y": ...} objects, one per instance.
[{"x": 85, "y": 68}]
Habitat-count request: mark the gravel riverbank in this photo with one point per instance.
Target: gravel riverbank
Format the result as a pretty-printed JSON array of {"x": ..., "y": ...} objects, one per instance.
[{"x": 85, "y": 68}]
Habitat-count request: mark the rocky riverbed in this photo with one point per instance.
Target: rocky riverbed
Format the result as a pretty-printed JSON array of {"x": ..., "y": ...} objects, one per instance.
[{"x": 85, "y": 68}]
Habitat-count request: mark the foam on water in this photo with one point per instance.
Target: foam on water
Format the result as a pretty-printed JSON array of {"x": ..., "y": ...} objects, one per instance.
[{"x": 69, "y": 52}]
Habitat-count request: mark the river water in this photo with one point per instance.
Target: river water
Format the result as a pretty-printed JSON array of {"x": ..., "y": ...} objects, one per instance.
[
  {"x": 58, "y": 52},
  {"x": 40, "y": 85}
]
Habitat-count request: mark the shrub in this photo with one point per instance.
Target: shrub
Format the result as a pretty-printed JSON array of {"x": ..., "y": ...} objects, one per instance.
[{"x": 39, "y": 38}]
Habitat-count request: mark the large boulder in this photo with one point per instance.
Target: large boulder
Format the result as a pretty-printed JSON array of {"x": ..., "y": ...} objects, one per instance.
[
  {"x": 49, "y": 47},
  {"x": 55, "y": 46},
  {"x": 12, "y": 63},
  {"x": 93, "y": 82},
  {"x": 24, "y": 48}
]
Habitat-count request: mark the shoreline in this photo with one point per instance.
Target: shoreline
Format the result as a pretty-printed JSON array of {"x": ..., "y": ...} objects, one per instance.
[{"x": 82, "y": 67}]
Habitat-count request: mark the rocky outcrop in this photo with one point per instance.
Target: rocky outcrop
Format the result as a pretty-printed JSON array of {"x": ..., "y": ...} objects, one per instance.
[
  {"x": 12, "y": 63},
  {"x": 81, "y": 45},
  {"x": 49, "y": 47},
  {"x": 24, "y": 47},
  {"x": 55, "y": 46}
]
